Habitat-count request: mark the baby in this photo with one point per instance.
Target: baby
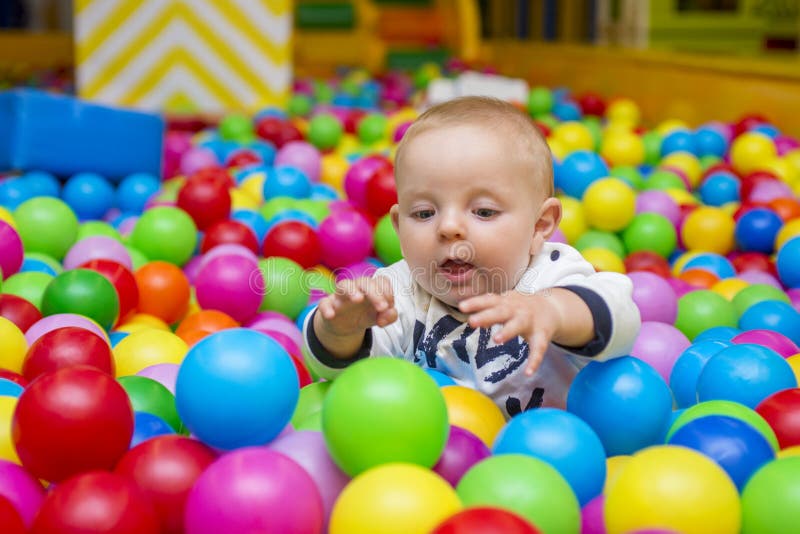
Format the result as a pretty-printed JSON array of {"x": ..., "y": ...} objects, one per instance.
[{"x": 481, "y": 295}]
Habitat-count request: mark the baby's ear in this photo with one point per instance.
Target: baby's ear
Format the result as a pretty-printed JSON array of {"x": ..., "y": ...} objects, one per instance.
[
  {"x": 546, "y": 223},
  {"x": 394, "y": 214}
]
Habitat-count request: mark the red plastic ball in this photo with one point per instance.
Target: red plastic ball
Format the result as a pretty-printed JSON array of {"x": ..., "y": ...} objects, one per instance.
[
  {"x": 67, "y": 347},
  {"x": 744, "y": 207},
  {"x": 71, "y": 421},
  {"x": 242, "y": 158},
  {"x": 381, "y": 192},
  {"x": 543, "y": 128},
  {"x": 485, "y": 520},
  {"x": 294, "y": 240},
  {"x": 781, "y": 410},
  {"x": 302, "y": 372},
  {"x": 277, "y": 131},
  {"x": 165, "y": 468},
  {"x": 748, "y": 122},
  {"x": 94, "y": 503},
  {"x": 753, "y": 261},
  {"x": 644, "y": 260},
  {"x": 352, "y": 119},
  {"x": 14, "y": 377},
  {"x": 206, "y": 200},
  {"x": 123, "y": 281},
  {"x": 19, "y": 311},
  {"x": 216, "y": 174},
  {"x": 229, "y": 232},
  {"x": 10, "y": 520},
  {"x": 592, "y": 104}
]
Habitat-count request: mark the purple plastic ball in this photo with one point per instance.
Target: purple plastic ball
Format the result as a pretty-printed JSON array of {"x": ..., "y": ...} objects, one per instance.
[
  {"x": 462, "y": 450},
  {"x": 658, "y": 202},
  {"x": 301, "y": 155},
  {"x": 97, "y": 247},
  {"x": 660, "y": 345},
  {"x": 654, "y": 297},
  {"x": 197, "y": 158}
]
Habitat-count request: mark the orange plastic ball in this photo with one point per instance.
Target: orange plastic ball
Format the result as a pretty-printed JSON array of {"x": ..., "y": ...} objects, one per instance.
[
  {"x": 699, "y": 278},
  {"x": 164, "y": 291}
]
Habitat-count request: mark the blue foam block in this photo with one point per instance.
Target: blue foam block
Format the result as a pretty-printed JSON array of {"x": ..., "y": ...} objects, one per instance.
[{"x": 64, "y": 135}]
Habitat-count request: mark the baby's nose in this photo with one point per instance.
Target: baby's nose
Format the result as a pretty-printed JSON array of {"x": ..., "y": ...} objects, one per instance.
[{"x": 452, "y": 227}]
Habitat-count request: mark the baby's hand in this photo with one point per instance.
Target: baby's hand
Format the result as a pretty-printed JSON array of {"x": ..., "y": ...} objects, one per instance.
[
  {"x": 357, "y": 305},
  {"x": 534, "y": 317}
]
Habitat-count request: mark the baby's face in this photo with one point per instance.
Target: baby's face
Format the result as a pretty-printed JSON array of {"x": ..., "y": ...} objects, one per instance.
[{"x": 466, "y": 214}]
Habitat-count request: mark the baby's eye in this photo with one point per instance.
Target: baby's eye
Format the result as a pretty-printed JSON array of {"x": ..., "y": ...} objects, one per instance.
[
  {"x": 485, "y": 213},
  {"x": 422, "y": 214}
]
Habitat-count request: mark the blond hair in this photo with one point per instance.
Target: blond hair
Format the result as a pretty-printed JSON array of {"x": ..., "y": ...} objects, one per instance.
[{"x": 497, "y": 116}]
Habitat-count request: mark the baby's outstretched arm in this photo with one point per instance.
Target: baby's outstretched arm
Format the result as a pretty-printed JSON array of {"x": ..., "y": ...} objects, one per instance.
[
  {"x": 554, "y": 314},
  {"x": 343, "y": 317}
]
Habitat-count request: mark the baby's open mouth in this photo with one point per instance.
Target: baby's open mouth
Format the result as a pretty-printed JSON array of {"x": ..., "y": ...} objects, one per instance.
[{"x": 455, "y": 267}]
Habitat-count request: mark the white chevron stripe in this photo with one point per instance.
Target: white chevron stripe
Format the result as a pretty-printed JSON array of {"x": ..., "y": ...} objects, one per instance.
[
  {"x": 93, "y": 16},
  {"x": 277, "y": 29},
  {"x": 181, "y": 80},
  {"x": 97, "y": 64}
]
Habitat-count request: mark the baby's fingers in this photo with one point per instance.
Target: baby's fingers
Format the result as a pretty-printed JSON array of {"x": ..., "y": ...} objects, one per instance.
[
  {"x": 326, "y": 308},
  {"x": 537, "y": 346},
  {"x": 496, "y": 315},
  {"x": 481, "y": 302}
]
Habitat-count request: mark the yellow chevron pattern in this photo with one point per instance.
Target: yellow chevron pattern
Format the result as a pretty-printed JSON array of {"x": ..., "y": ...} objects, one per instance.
[{"x": 210, "y": 56}]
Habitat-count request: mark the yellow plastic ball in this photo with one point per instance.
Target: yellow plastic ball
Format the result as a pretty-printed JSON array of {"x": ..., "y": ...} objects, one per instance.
[
  {"x": 623, "y": 149},
  {"x": 681, "y": 261},
  {"x": 751, "y": 150},
  {"x": 254, "y": 185},
  {"x": 789, "y": 230},
  {"x": 13, "y": 346},
  {"x": 147, "y": 320},
  {"x": 473, "y": 411},
  {"x": 242, "y": 200},
  {"x": 729, "y": 287},
  {"x": 709, "y": 229},
  {"x": 624, "y": 111},
  {"x": 730, "y": 207},
  {"x": 682, "y": 197},
  {"x": 673, "y": 488},
  {"x": 794, "y": 363},
  {"x": 573, "y": 221},
  {"x": 668, "y": 126},
  {"x": 609, "y": 204},
  {"x": 394, "y": 499},
  {"x": 7, "y": 450},
  {"x": 6, "y": 216},
  {"x": 617, "y": 128},
  {"x": 686, "y": 162},
  {"x": 557, "y": 148},
  {"x": 614, "y": 466},
  {"x": 145, "y": 348},
  {"x": 793, "y": 158},
  {"x": 333, "y": 169},
  {"x": 604, "y": 260},
  {"x": 781, "y": 168},
  {"x": 573, "y": 136},
  {"x": 788, "y": 451}
]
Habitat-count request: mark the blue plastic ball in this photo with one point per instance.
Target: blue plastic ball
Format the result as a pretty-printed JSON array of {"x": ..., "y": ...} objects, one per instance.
[
  {"x": 678, "y": 141},
  {"x": 562, "y": 440},
  {"x": 567, "y": 111},
  {"x": 624, "y": 400},
  {"x": 89, "y": 195},
  {"x": 36, "y": 265},
  {"x": 13, "y": 192},
  {"x": 787, "y": 262},
  {"x": 42, "y": 184},
  {"x": 717, "y": 333},
  {"x": 116, "y": 336},
  {"x": 135, "y": 190},
  {"x": 270, "y": 112},
  {"x": 292, "y": 215},
  {"x": 720, "y": 188},
  {"x": 440, "y": 378},
  {"x": 10, "y": 389},
  {"x": 324, "y": 192},
  {"x": 301, "y": 317},
  {"x": 236, "y": 388},
  {"x": 772, "y": 315},
  {"x": 254, "y": 220},
  {"x": 745, "y": 373},
  {"x": 147, "y": 426},
  {"x": 264, "y": 149},
  {"x": 767, "y": 129},
  {"x": 687, "y": 368},
  {"x": 714, "y": 263},
  {"x": 286, "y": 181},
  {"x": 578, "y": 170},
  {"x": 708, "y": 141},
  {"x": 756, "y": 230},
  {"x": 735, "y": 446}
]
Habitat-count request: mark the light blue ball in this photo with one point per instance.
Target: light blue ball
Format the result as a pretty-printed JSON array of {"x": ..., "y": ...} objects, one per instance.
[
  {"x": 562, "y": 440},
  {"x": 42, "y": 184},
  {"x": 720, "y": 188},
  {"x": 788, "y": 261},
  {"x": 236, "y": 388},
  {"x": 254, "y": 220},
  {"x": 440, "y": 378},
  {"x": 767, "y": 129},
  {"x": 135, "y": 190},
  {"x": 89, "y": 195},
  {"x": 745, "y": 373},
  {"x": 116, "y": 336},
  {"x": 578, "y": 170},
  {"x": 13, "y": 192},
  {"x": 301, "y": 317},
  {"x": 567, "y": 111},
  {"x": 678, "y": 141},
  {"x": 286, "y": 181},
  {"x": 687, "y": 369},
  {"x": 772, "y": 315},
  {"x": 710, "y": 142},
  {"x": 323, "y": 192},
  {"x": 147, "y": 426},
  {"x": 715, "y": 263},
  {"x": 264, "y": 149},
  {"x": 717, "y": 333},
  {"x": 624, "y": 400},
  {"x": 10, "y": 389}
]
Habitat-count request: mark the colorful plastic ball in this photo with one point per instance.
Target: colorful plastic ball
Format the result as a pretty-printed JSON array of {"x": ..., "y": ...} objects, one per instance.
[
  {"x": 687, "y": 369},
  {"x": 324, "y": 131},
  {"x": 123, "y": 281},
  {"x": 659, "y": 344},
  {"x": 206, "y": 199},
  {"x": 46, "y": 225},
  {"x": 302, "y": 156},
  {"x": 474, "y": 411},
  {"x": 372, "y": 128},
  {"x": 578, "y": 170},
  {"x": 773, "y": 315},
  {"x": 573, "y": 136},
  {"x": 664, "y": 180},
  {"x": 293, "y": 240},
  {"x": 381, "y": 192},
  {"x": 540, "y": 101},
  {"x": 164, "y": 291},
  {"x": 720, "y": 188},
  {"x": 10, "y": 389},
  {"x": 372, "y": 404},
  {"x": 164, "y": 373},
  {"x": 756, "y": 230},
  {"x": 624, "y": 401},
  {"x": 386, "y": 242},
  {"x": 526, "y": 486},
  {"x": 744, "y": 373},
  {"x": 650, "y": 232},
  {"x": 11, "y": 519},
  {"x": 149, "y": 396},
  {"x": 147, "y": 347},
  {"x": 11, "y": 250},
  {"x": 281, "y": 286},
  {"x": 84, "y": 292},
  {"x": 675, "y": 488},
  {"x": 485, "y": 520},
  {"x": 658, "y": 202},
  {"x": 359, "y": 174},
  {"x": 704, "y": 309},
  {"x": 21, "y": 489},
  {"x": 769, "y": 338},
  {"x": 599, "y": 239},
  {"x": 165, "y": 233},
  {"x": 70, "y": 421},
  {"x": 727, "y": 408},
  {"x": 788, "y": 259},
  {"x": 277, "y": 131},
  {"x": 782, "y": 411},
  {"x": 609, "y": 204},
  {"x": 286, "y": 181},
  {"x": 647, "y": 261},
  {"x": 463, "y": 450},
  {"x": 229, "y": 283},
  {"x": 13, "y": 346},
  {"x": 89, "y": 195},
  {"x": 225, "y": 381},
  {"x": 135, "y": 190},
  {"x": 147, "y": 426},
  {"x": 624, "y": 148},
  {"x": 708, "y": 229},
  {"x": 756, "y": 293},
  {"x": 770, "y": 500},
  {"x": 710, "y": 141},
  {"x": 678, "y": 141},
  {"x": 717, "y": 333},
  {"x": 67, "y": 347},
  {"x": 229, "y": 231},
  {"x": 97, "y": 247},
  {"x": 654, "y": 297},
  {"x": 750, "y": 150},
  {"x": 117, "y": 506},
  {"x": 345, "y": 237},
  {"x": 308, "y": 413},
  {"x": 714, "y": 263}
]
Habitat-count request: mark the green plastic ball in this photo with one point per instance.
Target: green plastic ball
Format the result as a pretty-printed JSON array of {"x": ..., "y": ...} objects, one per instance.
[
  {"x": 47, "y": 260},
  {"x": 165, "y": 233},
  {"x": 150, "y": 396},
  {"x": 630, "y": 175},
  {"x": 29, "y": 285},
  {"x": 756, "y": 293},
  {"x": 234, "y": 126},
  {"x": 324, "y": 131},
  {"x": 299, "y": 105},
  {"x": 47, "y": 225},
  {"x": 661, "y": 180},
  {"x": 650, "y": 231},
  {"x": 386, "y": 241},
  {"x": 138, "y": 259},
  {"x": 323, "y": 93},
  {"x": 601, "y": 239},
  {"x": 548, "y": 120},
  {"x": 526, "y": 485},
  {"x": 372, "y": 128},
  {"x": 708, "y": 160},
  {"x": 730, "y": 409},
  {"x": 704, "y": 309},
  {"x": 276, "y": 205},
  {"x": 317, "y": 280},
  {"x": 540, "y": 101},
  {"x": 284, "y": 289},
  {"x": 84, "y": 292},
  {"x": 318, "y": 209},
  {"x": 771, "y": 498},
  {"x": 382, "y": 410},
  {"x": 652, "y": 147},
  {"x": 595, "y": 127},
  {"x": 308, "y": 412},
  {"x": 93, "y": 228}
]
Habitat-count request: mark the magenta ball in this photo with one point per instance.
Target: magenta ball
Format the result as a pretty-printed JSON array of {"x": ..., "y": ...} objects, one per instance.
[
  {"x": 794, "y": 297},
  {"x": 254, "y": 489},
  {"x": 660, "y": 345},
  {"x": 654, "y": 297},
  {"x": 11, "y": 250},
  {"x": 22, "y": 490},
  {"x": 345, "y": 237},
  {"x": 191, "y": 268},
  {"x": 165, "y": 374},
  {"x": 276, "y": 321},
  {"x": 283, "y": 340},
  {"x": 231, "y": 285},
  {"x": 680, "y": 287},
  {"x": 357, "y": 176},
  {"x": 592, "y": 521},
  {"x": 658, "y": 202},
  {"x": 769, "y": 338},
  {"x": 785, "y": 144},
  {"x": 307, "y": 448},
  {"x": 97, "y": 247},
  {"x": 227, "y": 249},
  {"x": 462, "y": 450},
  {"x": 357, "y": 270},
  {"x": 301, "y": 155},
  {"x": 61, "y": 320},
  {"x": 197, "y": 158}
]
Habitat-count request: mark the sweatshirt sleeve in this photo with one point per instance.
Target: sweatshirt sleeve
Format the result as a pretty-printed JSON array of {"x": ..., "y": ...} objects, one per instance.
[{"x": 391, "y": 340}]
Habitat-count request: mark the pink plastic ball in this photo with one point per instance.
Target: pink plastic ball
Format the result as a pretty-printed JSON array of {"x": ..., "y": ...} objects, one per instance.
[
  {"x": 283, "y": 340},
  {"x": 654, "y": 297},
  {"x": 768, "y": 190},
  {"x": 192, "y": 267},
  {"x": 400, "y": 131},
  {"x": 769, "y": 338},
  {"x": 680, "y": 287},
  {"x": 227, "y": 249},
  {"x": 658, "y": 202},
  {"x": 97, "y": 247},
  {"x": 277, "y": 322},
  {"x": 660, "y": 345},
  {"x": 753, "y": 276},
  {"x": 462, "y": 450},
  {"x": 357, "y": 177},
  {"x": 11, "y": 250},
  {"x": 301, "y": 155},
  {"x": 60, "y": 320},
  {"x": 345, "y": 237},
  {"x": 558, "y": 237},
  {"x": 261, "y": 490},
  {"x": 361, "y": 269},
  {"x": 794, "y": 297},
  {"x": 165, "y": 374},
  {"x": 197, "y": 158},
  {"x": 229, "y": 284},
  {"x": 592, "y": 517},
  {"x": 785, "y": 144},
  {"x": 24, "y": 492}
]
